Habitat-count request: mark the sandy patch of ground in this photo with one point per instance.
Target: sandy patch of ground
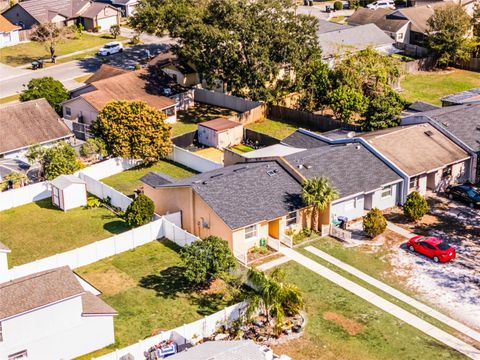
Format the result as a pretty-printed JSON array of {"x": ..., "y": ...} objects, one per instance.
[
  {"x": 350, "y": 326},
  {"x": 110, "y": 281}
]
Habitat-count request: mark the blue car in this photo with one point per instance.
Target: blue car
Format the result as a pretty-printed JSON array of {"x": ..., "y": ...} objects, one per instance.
[{"x": 465, "y": 193}]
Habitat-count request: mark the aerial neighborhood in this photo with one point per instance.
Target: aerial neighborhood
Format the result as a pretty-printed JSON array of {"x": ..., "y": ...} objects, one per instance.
[{"x": 239, "y": 179}]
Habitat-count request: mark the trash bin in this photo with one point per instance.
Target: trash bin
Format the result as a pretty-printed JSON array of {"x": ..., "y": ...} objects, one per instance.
[{"x": 343, "y": 222}]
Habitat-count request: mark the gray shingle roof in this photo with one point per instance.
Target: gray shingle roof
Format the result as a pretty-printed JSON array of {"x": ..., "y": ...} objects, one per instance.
[
  {"x": 351, "y": 168},
  {"x": 43, "y": 10},
  {"x": 223, "y": 350},
  {"x": 463, "y": 121},
  {"x": 472, "y": 95},
  {"x": 244, "y": 194},
  {"x": 353, "y": 39},
  {"x": 378, "y": 17},
  {"x": 325, "y": 26},
  {"x": 421, "y": 106},
  {"x": 156, "y": 179},
  {"x": 301, "y": 140}
]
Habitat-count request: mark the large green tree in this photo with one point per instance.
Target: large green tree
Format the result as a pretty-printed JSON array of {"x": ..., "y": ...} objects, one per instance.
[
  {"x": 383, "y": 111},
  {"x": 476, "y": 28},
  {"x": 206, "y": 260},
  {"x": 346, "y": 102},
  {"x": 133, "y": 129},
  {"x": 274, "y": 297},
  {"x": 46, "y": 87},
  {"x": 246, "y": 44},
  {"x": 448, "y": 30},
  {"x": 318, "y": 193}
]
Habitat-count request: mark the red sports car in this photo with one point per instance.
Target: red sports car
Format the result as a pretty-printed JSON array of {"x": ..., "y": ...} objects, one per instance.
[{"x": 432, "y": 247}]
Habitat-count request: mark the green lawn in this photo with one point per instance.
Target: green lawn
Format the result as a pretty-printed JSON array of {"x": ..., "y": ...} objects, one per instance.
[
  {"x": 147, "y": 288},
  {"x": 27, "y": 52},
  {"x": 431, "y": 86},
  {"x": 241, "y": 148},
  {"x": 344, "y": 326},
  {"x": 8, "y": 99},
  {"x": 129, "y": 180},
  {"x": 274, "y": 128},
  {"x": 187, "y": 120},
  {"x": 39, "y": 229}
]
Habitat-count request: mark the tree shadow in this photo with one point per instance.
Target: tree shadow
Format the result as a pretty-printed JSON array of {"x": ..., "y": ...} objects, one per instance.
[
  {"x": 116, "y": 227},
  {"x": 209, "y": 303},
  {"x": 293, "y": 201},
  {"x": 168, "y": 283}
]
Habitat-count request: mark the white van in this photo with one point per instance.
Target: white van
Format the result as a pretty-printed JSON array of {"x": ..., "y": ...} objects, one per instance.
[{"x": 382, "y": 4}]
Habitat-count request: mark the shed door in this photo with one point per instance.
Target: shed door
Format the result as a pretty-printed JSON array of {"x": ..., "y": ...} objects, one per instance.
[{"x": 56, "y": 196}]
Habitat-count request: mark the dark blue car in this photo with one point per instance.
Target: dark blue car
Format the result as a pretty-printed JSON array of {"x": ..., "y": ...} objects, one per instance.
[{"x": 465, "y": 193}]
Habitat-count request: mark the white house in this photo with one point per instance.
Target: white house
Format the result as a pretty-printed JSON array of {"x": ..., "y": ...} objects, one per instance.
[
  {"x": 127, "y": 6},
  {"x": 28, "y": 123},
  {"x": 49, "y": 315},
  {"x": 8, "y": 33},
  {"x": 220, "y": 133},
  {"x": 68, "y": 192}
]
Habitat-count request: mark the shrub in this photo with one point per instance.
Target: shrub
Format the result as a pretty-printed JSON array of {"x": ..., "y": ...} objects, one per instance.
[
  {"x": 415, "y": 207},
  {"x": 354, "y": 4},
  {"x": 93, "y": 202},
  {"x": 93, "y": 146},
  {"x": 374, "y": 223},
  {"x": 137, "y": 66},
  {"x": 206, "y": 260},
  {"x": 115, "y": 31},
  {"x": 338, "y": 5},
  {"x": 96, "y": 29},
  {"x": 140, "y": 211},
  {"x": 135, "y": 40}
]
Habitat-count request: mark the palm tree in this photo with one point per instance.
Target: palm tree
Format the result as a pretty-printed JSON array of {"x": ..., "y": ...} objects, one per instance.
[
  {"x": 274, "y": 297},
  {"x": 318, "y": 192}
]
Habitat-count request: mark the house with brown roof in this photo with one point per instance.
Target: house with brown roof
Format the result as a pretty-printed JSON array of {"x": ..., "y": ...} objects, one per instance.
[
  {"x": 29, "y": 13},
  {"x": 220, "y": 133},
  {"x": 180, "y": 71},
  {"x": 429, "y": 159},
  {"x": 28, "y": 123},
  {"x": 49, "y": 315},
  {"x": 8, "y": 33},
  {"x": 82, "y": 109}
]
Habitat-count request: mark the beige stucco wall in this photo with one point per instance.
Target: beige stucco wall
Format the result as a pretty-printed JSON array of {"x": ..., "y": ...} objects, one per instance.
[{"x": 79, "y": 106}]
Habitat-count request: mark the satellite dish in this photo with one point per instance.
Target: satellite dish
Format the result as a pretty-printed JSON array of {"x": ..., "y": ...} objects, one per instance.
[{"x": 351, "y": 134}]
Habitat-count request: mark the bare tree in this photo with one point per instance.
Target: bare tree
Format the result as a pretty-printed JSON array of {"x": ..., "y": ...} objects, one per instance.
[{"x": 50, "y": 35}]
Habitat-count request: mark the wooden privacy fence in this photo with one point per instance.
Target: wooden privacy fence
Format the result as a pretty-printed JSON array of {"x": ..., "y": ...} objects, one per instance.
[{"x": 307, "y": 119}]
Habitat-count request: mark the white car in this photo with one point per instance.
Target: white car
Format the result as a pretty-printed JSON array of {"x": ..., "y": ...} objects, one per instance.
[
  {"x": 384, "y": 4},
  {"x": 111, "y": 48}
]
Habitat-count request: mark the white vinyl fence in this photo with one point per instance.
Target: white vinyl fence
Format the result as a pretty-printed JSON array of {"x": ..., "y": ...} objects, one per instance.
[
  {"x": 191, "y": 160},
  {"x": 160, "y": 228},
  {"x": 103, "y": 191},
  {"x": 30, "y": 193},
  {"x": 192, "y": 332},
  {"x": 224, "y": 100}
]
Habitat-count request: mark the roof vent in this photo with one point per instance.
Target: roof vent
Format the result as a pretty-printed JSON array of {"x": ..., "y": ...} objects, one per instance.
[
  {"x": 428, "y": 133},
  {"x": 358, "y": 147},
  {"x": 307, "y": 166},
  {"x": 300, "y": 166},
  {"x": 445, "y": 124},
  {"x": 240, "y": 169},
  {"x": 215, "y": 176},
  {"x": 271, "y": 172},
  {"x": 204, "y": 183}
]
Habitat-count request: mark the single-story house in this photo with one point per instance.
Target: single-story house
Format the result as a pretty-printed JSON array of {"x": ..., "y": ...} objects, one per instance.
[
  {"x": 63, "y": 13},
  {"x": 82, "y": 110},
  {"x": 338, "y": 43},
  {"x": 68, "y": 192},
  {"x": 429, "y": 158},
  {"x": 179, "y": 70},
  {"x": 49, "y": 315},
  {"x": 220, "y": 133},
  {"x": 8, "y": 33},
  {"x": 246, "y": 202},
  {"x": 461, "y": 124},
  {"x": 126, "y": 6},
  {"x": 28, "y": 123},
  {"x": 471, "y": 96}
]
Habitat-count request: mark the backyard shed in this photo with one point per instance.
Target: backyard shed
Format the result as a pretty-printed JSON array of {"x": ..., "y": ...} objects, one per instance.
[
  {"x": 220, "y": 133},
  {"x": 68, "y": 192}
]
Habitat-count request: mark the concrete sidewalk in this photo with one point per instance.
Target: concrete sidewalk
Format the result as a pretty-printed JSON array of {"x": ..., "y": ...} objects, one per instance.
[
  {"x": 378, "y": 301},
  {"x": 475, "y": 335},
  {"x": 399, "y": 230}
]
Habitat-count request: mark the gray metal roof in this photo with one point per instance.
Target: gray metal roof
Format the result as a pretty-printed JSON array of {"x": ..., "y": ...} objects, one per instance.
[
  {"x": 223, "y": 350},
  {"x": 325, "y": 26},
  {"x": 472, "y": 95},
  {"x": 351, "y": 168},
  {"x": 244, "y": 194},
  {"x": 463, "y": 121}
]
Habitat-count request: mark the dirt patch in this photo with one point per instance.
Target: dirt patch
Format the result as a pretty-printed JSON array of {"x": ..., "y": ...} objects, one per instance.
[
  {"x": 110, "y": 281},
  {"x": 350, "y": 326},
  {"x": 218, "y": 286}
]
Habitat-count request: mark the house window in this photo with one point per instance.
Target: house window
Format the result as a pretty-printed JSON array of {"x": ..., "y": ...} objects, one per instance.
[
  {"x": 350, "y": 204},
  {"x": 68, "y": 111},
  {"x": 250, "y": 232},
  {"x": 292, "y": 218},
  {"x": 387, "y": 191},
  {"x": 21, "y": 355},
  {"x": 447, "y": 172},
  {"x": 1, "y": 333},
  {"x": 413, "y": 183}
]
